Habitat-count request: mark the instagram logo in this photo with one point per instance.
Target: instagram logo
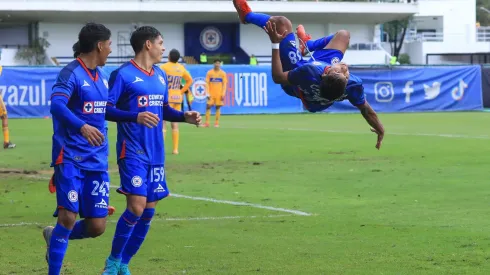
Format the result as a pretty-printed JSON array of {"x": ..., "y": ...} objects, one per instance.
[{"x": 384, "y": 92}]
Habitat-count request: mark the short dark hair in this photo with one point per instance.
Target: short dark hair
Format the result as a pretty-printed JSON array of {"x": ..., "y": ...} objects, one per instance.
[
  {"x": 217, "y": 60},
  {"x": 76, "y": 49},
  {"x": 89, "y": 36},
  {"x": 174, "y": 56},
  {"x": 333, "y": 86},
  {"x": 141, "y": 35}
]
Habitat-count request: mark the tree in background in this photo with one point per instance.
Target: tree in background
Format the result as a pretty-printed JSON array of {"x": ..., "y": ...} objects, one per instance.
[
  {"x": 396, "y": 31},
  {"x": 35, "y": 54},
  {"x": 482, "y": 16}
]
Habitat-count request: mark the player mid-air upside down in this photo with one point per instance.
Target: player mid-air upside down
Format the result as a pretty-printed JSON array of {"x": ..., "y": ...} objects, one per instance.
[{"x": 320, "y": 81}]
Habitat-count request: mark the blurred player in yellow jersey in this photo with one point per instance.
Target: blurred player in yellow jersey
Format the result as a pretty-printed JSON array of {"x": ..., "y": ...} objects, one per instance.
[
  {"x": 5, "y": 122},
  {"x": 175, "y": 73},
  {"x": 216, "y": 89}
]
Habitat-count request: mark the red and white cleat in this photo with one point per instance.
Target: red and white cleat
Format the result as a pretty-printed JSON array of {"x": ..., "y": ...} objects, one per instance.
[
  {"x": 303, "y": 37},
  {"x": 242, "y": 9}
]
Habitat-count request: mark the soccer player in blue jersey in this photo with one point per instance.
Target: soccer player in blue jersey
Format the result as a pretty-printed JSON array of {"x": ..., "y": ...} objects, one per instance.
[
  {"x": 320, "y": 81},
  {"x": 79, "y": 152},
  {"x": 140, "y": 86}
]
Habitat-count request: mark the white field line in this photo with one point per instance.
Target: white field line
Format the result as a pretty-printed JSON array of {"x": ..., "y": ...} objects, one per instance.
[
  {"x": 361, "y": 133},
  {"x": 236, "y": 203},
  {"x": 21, "y": 224},
  {"x": 295, "y": 212}
]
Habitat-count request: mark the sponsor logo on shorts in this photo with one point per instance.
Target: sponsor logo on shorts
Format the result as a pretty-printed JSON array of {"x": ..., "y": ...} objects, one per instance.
[
  {"x": 159, "y": 189},
  {"x": 73, "y": 196},
  {"x": 101, "y": 204},
  {"x": 136, "y": 181}
]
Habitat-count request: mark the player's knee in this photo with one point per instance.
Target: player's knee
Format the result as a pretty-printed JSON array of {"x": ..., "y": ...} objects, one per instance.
[
  {"x": 66, "y": 218},
  {"x": 282, "y": 24},
  {"x": 96, "y": 231},
  {"x": 137, "y": 209},
  {"x": 343, "y": 35},
  {"x": 95, "y": 227}
]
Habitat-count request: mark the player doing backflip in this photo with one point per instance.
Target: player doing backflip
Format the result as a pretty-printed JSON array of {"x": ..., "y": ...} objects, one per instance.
[{"x": 320, "y": 81}]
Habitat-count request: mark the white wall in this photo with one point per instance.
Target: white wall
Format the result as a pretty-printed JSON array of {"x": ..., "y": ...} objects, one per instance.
[
  {"x": 364, "y": 57},
  {"x": 62, "y": 36},
  {"x": 459, "y": 20},
  {"x": 255, "y": 41},
  {"x": 415, "y": 51},
  {"x": 359, "y": 33}
]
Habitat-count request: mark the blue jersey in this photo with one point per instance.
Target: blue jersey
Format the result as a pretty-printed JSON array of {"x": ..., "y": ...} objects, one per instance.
[
  {"x": 134, "y": 90},
  {"x": 306, "y": 80},
  {"x": 87, "y": 93}
]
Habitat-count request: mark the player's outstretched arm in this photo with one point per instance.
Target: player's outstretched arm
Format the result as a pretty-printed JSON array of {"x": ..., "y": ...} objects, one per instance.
[
  {"x": 372, "y": 119},
  {"x": 172, "y": 115},
  {"x": 278, "y": 75}
]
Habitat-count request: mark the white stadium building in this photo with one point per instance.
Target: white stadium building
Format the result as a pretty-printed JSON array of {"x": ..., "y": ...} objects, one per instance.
[{"x": 439, "y": 33}]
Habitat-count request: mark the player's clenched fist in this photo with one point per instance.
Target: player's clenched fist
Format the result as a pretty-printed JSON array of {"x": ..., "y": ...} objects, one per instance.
[
  {"x": 92, "y": 134},
  {"x": 148, "y": 119},
  {"x": 193, "y": 117}
]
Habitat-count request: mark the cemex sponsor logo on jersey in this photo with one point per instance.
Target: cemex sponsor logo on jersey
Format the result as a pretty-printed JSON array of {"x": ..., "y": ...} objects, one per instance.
[
  {"x": 94, "y": 107},
  {"x": 150, "y": 100}
]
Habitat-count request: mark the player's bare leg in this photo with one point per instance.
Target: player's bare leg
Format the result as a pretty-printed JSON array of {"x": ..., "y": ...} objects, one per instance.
[
  {"x": 217, "y": 116},
  {"x": 6, "y": 135},
  {"x": 208, "y": 116},
  {"x": 338, "y": 41},
  {"x": 175, "y": 137}
]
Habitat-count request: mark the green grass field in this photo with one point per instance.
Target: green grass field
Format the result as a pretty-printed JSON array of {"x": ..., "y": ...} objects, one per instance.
[{"x": 420, "y": 205}]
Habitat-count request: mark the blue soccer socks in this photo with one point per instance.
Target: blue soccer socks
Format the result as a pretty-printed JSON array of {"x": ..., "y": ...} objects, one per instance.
[{"x": 138, "y": 235}]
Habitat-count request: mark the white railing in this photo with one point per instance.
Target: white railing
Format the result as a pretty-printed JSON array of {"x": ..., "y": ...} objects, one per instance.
[
  {"x": 365, "y": 47},
  {"x": 483, "y": 34},
  {"x": 424, "y": 37}
]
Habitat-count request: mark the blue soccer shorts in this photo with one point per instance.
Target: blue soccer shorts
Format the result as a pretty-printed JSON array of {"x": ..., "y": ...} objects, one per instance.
[
  {"x": 330, "y": 56},
  {"x": 291, "y": 58},
  {"x": 81, "y": 191},
  {"x": 142, "y": 180}
]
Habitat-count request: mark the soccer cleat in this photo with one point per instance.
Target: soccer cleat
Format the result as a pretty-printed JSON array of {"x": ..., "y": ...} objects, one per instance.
[
  {"x": 124, "y": 270},
  {"x": 205, "y": 125},
  {"x": 8, "y": 145},
  {"x": 175, "y": 152},
  {"x": 47, "y": 233},
  {"x": 216, "y": 125},
  {"x": 242, "y": 9},
  {"x": 303, "y": 37},
  {"x": 111, "y": 210},
  {"x": 111, "y": 266}
]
